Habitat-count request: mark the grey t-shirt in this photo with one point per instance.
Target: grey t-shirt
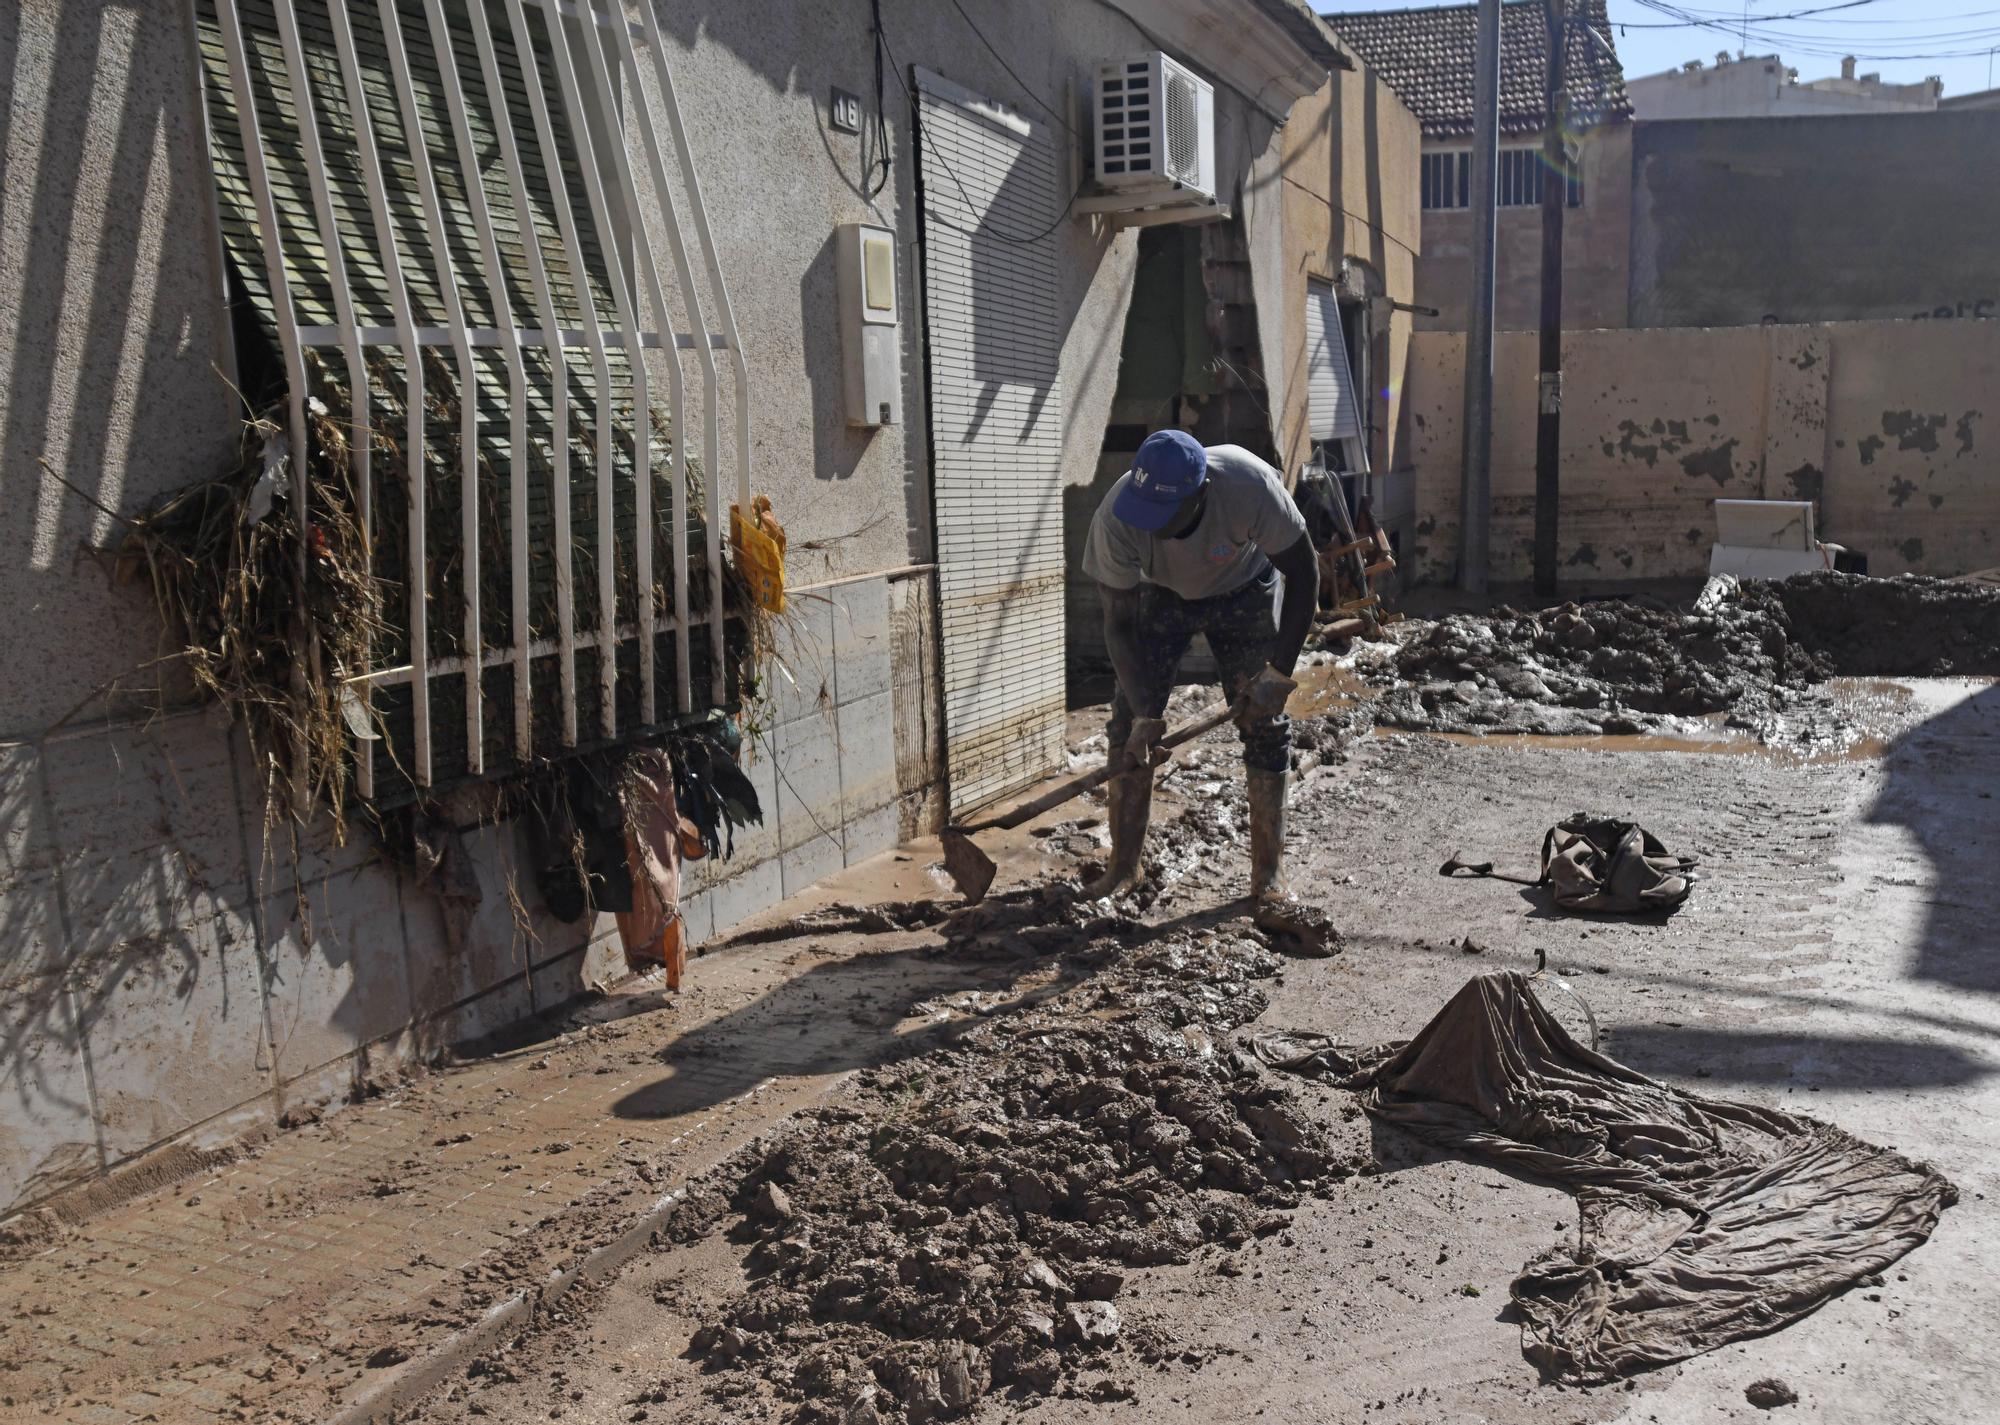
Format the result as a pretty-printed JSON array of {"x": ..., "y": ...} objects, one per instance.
[{"x": 1249, "y": 517}]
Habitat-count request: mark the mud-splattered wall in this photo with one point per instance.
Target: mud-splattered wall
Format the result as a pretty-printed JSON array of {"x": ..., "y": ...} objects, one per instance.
[
  {"x": 1913, "y": 447},
  {"x": 1881, "y": 423}
]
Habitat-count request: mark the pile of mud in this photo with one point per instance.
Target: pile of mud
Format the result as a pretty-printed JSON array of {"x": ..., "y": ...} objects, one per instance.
[
  {"x": 1909, "y": 627},
  {"x": 969, "y": 1231},
  {"x": 1750, "y": 654},
  {"x": 1613, "y": 667}
]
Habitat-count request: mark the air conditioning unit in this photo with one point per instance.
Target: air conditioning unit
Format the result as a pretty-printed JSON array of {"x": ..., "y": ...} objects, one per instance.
[{"x": 1155, "y": 128}]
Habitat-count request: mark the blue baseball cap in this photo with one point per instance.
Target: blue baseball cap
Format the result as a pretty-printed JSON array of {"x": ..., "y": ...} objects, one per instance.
[{"x": 1169, "y": 467}]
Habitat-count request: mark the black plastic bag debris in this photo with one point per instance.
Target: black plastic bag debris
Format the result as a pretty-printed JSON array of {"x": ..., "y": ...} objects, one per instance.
[
  {"x": 578, "y": 827},
  {"x": 712, "y": 792}
]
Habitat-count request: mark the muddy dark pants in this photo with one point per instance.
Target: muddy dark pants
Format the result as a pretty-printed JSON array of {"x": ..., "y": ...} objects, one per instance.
[{"x": 1241, "y": 629}]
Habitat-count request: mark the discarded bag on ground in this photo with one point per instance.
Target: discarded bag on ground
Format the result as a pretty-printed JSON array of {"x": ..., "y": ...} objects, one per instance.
[
  {"x": 1702, "y": 1221},
  {"x": 1600, "y": 866}
]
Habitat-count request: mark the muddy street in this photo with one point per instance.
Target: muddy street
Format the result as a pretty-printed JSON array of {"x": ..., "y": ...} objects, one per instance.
[{"x": 1080, "y": 1169}]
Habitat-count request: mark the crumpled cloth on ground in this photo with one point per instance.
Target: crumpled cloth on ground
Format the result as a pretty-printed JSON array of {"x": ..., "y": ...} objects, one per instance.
[
  {"x": 1703, "y": 1221},
  {"x": 652, "y": 931}
]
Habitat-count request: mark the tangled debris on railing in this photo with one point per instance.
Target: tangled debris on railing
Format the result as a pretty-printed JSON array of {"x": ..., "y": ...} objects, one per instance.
[{"x": 260, "y": 631}]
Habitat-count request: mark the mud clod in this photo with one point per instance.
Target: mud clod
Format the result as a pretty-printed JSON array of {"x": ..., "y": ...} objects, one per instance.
[
  {"x": 1616, "y": 667},
  {"x": 969, "y": 1231},
  {"x": 1770, "y": 1393}
]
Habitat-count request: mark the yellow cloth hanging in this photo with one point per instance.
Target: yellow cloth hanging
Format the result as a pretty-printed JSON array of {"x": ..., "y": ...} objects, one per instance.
[{"x": 760, "y": 552}]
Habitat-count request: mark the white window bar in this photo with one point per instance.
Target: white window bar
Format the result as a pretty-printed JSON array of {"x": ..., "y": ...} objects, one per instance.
[
  {"x": 642, "y": 244},
  {"x": 628, "y": 319},
  {"x": 517, "y": 406},
  {"x": 677, "y": 245},
  {"x": 453, "y": 664},
  {"x": 284, "y": 314},
  {"x": 600, "y": 367},
  {"x": 611, "y": 192},
  {"x": 391, "y": 259},
  {"x": 359, "y": 440},
  {"x": 468, "y": 378},
  {"x": 699, "y": 212},
  {"x": 310, "y": 336},
  {"x": 554, "y": 339}
]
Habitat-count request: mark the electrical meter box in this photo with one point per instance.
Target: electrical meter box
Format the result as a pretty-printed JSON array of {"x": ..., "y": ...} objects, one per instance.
[{"x": 870, "y": 330}]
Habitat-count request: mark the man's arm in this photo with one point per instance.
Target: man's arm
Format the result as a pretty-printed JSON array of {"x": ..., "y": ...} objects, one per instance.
[
  {"x": 1300, "y": 566},
  {"x": 1121, "y": 639}
]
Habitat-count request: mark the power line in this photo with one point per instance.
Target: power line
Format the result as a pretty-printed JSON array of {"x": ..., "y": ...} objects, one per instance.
[
  {"x": 1820, "y": 44},
  {"x": 987, "y": 230},
  {"x": 1026, "y": 88}
]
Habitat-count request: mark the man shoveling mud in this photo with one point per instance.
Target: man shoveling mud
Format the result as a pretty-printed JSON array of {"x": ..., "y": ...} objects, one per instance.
[{"x": 1193, "y": 540}]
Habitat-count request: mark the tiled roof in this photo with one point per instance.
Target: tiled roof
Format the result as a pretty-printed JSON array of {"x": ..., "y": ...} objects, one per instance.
[{"x": 1426, "y": 56}]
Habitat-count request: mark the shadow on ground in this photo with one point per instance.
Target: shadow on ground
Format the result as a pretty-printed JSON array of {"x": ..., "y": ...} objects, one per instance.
[
  {"x": 1757, "y": 1056},
  {"x": 1940, "y": 783}
]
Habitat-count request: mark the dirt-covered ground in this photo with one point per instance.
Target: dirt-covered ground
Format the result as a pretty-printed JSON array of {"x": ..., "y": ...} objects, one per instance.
[
  {"x": 1752, "y": 660},
  {"x": 1079, "y": 1200}
]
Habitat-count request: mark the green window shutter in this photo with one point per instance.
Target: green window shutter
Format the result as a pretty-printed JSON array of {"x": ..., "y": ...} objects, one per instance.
[{"x": 516, "y": 228}]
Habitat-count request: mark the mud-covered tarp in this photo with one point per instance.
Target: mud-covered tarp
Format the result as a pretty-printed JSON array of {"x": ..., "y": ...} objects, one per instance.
[{"x": 1703, "y": 1221}]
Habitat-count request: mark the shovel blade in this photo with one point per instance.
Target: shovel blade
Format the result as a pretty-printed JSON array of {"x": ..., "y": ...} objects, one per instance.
[{"x": 970, "y": 869}]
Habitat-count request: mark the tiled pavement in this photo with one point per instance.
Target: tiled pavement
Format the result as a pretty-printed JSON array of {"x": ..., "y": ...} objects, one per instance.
[{"x": 262, "y": 1289}]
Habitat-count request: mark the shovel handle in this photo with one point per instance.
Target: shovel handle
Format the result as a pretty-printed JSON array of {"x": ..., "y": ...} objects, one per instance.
[{"x": 1076, "y": 786}]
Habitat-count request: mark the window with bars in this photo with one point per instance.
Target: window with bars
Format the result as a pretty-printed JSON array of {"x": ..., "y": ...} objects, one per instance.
[
  {"x": 1445, "y": 179},
  {"x": 433, "y": 212}
]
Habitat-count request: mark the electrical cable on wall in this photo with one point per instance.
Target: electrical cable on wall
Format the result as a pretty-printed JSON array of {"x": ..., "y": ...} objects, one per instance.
[
  {"x": 882, "y": 153},
  {"x": 1025, "y": 87},
  {"x": 989, "y": 230}
]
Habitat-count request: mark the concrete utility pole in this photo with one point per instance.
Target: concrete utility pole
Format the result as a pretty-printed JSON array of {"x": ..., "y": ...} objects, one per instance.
[
  {"x": 1476, "y": 474},
  {"x": 1555, "y": 200}
]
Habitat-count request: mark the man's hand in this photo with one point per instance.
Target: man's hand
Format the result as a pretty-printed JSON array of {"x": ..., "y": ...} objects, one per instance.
[
  {"x": 1142, "y": 747},
  {"x": 1264, "y": 695}
]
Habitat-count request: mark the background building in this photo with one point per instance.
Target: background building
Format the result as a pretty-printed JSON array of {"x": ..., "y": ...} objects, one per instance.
[
  {"x": 1763, "y": 87},
  {"x": 1426, "y": 56}
]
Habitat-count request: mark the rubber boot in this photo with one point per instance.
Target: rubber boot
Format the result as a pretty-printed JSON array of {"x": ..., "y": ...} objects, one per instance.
[
  {"x": 1305, "y": 929},
  {"x": 1129, "y": 807}
]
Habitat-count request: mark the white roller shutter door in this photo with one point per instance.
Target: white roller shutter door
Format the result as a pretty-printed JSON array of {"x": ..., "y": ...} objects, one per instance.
[
  {"x": 1332, "y": 403},
  {"x": 990, "y": 188}
]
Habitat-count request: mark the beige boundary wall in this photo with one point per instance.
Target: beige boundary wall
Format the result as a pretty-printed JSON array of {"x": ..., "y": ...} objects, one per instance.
[{"x": 1890, "y": 426}]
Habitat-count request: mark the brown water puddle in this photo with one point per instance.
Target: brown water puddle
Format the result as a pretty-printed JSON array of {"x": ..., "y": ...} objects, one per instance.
[{"x": 1326, "y": 687}]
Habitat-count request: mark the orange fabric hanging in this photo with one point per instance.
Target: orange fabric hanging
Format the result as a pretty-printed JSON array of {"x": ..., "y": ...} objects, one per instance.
[{"x": 652, "y": 932}]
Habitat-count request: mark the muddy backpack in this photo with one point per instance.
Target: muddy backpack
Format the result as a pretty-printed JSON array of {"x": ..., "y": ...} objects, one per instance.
[{"x": 1603, "y": 867}]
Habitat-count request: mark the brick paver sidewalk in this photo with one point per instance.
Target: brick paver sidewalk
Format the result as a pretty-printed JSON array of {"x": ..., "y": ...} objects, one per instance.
[{"x": 284, "y": 1283}]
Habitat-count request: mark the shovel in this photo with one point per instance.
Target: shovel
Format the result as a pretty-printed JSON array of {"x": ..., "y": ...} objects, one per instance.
[{"x": 972, "y": 870}]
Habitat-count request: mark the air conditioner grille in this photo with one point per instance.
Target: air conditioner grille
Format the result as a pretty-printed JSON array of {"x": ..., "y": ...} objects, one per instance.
[
  {"x": 1155, "y": 128},
  {"x": 1183, "y": 130}
]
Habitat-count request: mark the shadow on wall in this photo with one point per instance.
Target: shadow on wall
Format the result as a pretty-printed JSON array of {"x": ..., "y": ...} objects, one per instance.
[
  {"x": 168, "y": 958},
  {"x": 110, "y": 298},
  {"x": 1940, "y": 785},
  {"x": 837, "y": 446}
]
